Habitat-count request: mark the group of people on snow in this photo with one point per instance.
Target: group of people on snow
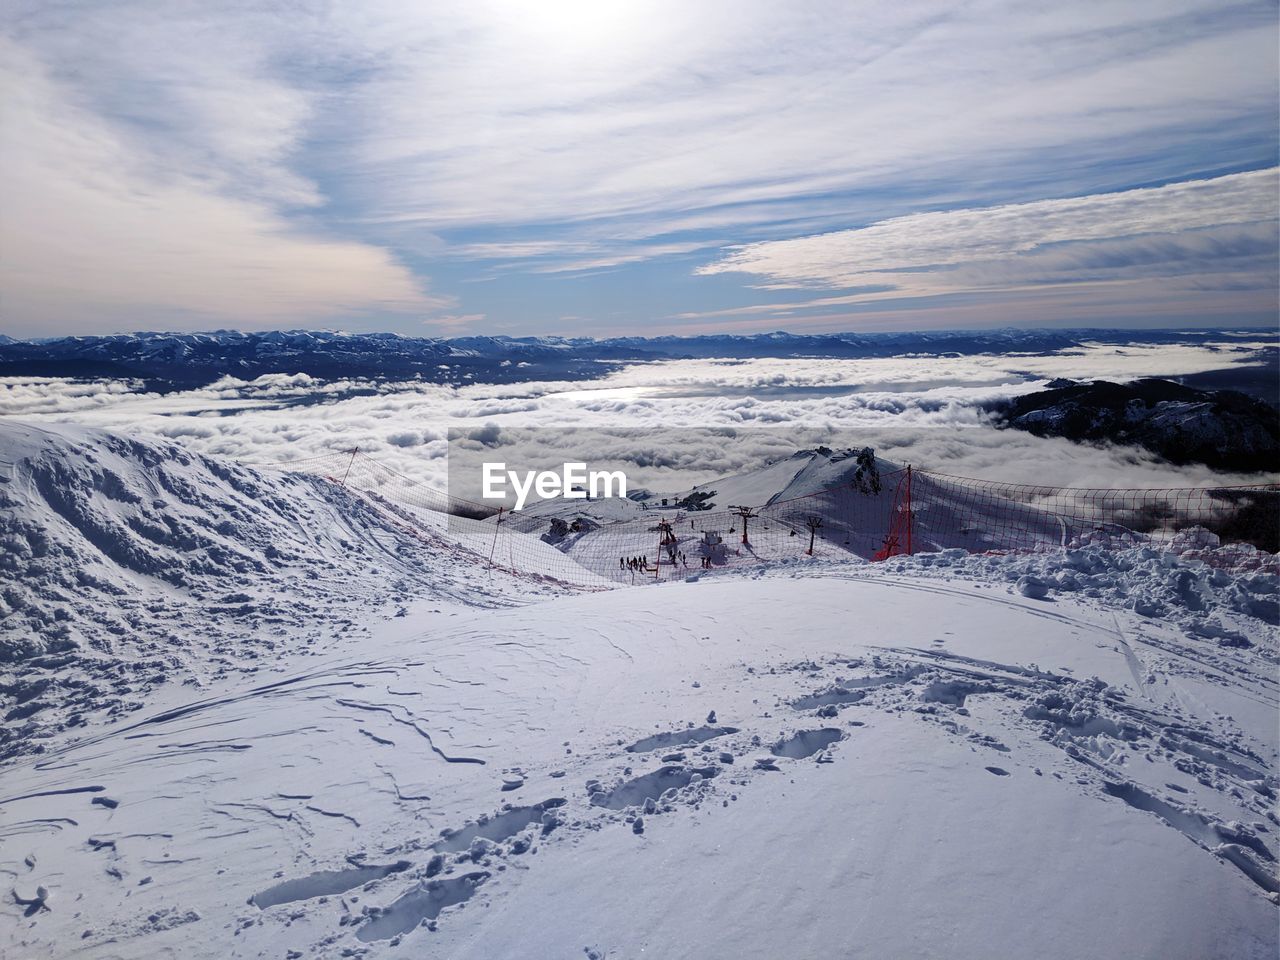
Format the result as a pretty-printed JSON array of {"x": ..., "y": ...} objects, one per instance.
[{"x": 640, "y": 564}]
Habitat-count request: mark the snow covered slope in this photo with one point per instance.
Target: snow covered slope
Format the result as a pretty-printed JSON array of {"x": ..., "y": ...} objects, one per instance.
[
  {"x": 1224, "y": 429},
  {"x": 380, "y": 747},
  {"x": 831, "y": 505},
  {"x": 127, "y": 564},
  {"x": 833, "y": 486},
  {"x": 810, "y": 761}
]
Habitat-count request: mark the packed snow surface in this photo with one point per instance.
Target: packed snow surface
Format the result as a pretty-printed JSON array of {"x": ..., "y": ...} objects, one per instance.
[
  {"x": 784, "y": 765},
  {"x": 1063, "y": 754}
]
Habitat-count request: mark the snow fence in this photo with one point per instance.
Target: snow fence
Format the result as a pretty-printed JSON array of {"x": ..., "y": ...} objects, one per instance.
[{"x": 902, "y": 511}]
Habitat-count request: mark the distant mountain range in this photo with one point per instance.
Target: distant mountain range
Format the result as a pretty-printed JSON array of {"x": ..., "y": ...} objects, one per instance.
[
  {"x": 1224, "y": 429},
  {"x": 168, "y": 361}
]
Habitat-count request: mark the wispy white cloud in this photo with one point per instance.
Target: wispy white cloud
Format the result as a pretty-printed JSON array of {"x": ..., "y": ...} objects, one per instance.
[
  {"x": 837, "y": 100},
  {"x": 1204, "y": 246},
  {"x": 453, "y": 324},
  {"x": 275, "y": 163},
  {"x": 920, "y": 252},
  {"x": 666, "y": 108},
  {"x": 93, "y": 236}
]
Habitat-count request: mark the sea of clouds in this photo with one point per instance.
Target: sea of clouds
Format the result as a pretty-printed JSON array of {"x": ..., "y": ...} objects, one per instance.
[{"x": 925, "y": 410}]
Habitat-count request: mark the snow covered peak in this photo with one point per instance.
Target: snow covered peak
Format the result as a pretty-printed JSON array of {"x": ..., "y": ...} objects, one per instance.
[
  {"x": 124, "y": 563},
  {"x": 383, "y": 783}
]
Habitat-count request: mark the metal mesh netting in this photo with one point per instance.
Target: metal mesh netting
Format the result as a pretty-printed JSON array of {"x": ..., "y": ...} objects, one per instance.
[{"x": 899, "y": 512}]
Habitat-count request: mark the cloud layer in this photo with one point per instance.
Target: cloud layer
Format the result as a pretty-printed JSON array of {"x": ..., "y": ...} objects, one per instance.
[{"x": 924, "y": 410}]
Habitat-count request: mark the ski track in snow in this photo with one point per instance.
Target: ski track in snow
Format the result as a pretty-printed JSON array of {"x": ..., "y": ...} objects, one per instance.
[{"x": 351, "y": 825}]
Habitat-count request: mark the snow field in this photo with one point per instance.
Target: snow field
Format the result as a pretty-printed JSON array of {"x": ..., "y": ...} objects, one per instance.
[
  {"x": 658, "y": 772},
  {"x": 258, "y": 715}
]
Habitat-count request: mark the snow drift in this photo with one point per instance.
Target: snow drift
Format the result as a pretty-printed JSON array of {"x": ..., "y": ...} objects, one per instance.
[
  {"x": 124, "y": 564},
  {"x": 776, "y": 765}
]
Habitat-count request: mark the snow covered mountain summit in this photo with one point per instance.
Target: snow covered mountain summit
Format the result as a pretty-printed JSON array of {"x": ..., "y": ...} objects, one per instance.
[
  {"x": 126, "y": 564},
  {"x": 1059, "y": 754}
]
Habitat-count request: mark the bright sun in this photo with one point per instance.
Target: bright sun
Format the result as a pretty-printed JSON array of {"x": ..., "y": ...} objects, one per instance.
[{"x": 570, "y": 23}]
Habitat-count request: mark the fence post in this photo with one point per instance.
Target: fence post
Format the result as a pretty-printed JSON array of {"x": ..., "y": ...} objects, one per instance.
[
  {"x": 354, "y": 451},
  {"x": 494, "y": 547}
]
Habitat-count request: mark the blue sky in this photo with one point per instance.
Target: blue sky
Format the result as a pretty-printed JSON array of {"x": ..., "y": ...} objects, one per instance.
[{"x": 637, "y": 167}]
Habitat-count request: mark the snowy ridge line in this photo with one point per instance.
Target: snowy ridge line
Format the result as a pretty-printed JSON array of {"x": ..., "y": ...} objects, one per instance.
[
  {"x": 902, "y": 511},
  {"x": 1016, "y": 491},
  {"x": 412, "y": 528},
  {"x": 127, "y": 565}
]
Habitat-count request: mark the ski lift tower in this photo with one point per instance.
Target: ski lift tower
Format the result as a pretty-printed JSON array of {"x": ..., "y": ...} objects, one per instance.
[
  {"x": 667, "y": 541},
  {"x": 814, "y": 523},
  {"x": 746, "y": 513}
]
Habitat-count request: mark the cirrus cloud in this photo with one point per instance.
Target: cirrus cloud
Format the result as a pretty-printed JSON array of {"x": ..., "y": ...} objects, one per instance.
[
  {"x": 94, "y": 236},
  {"x": 892, "y": 252},
  {"x": 188, "y": 164}
]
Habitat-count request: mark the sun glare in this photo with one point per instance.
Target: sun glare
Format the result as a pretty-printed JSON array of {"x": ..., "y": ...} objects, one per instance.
[{"x": 569, "y": 24}]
